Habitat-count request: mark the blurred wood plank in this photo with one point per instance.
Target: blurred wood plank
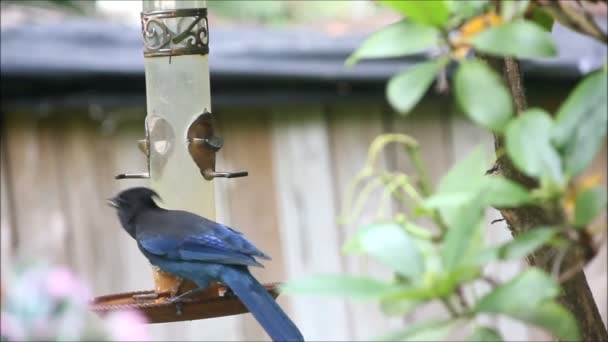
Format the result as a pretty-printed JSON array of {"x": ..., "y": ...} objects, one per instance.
[
  {"x": 91, "y": 221},
  {"x": 307, "y": 216},
  {"x": 6, "y": 224},
  {"x": 352, "y": 130},
  {"x": 250, "y": 202},
  {"x": 429, "y": 125},
  {"x": 38, "y": 192}
]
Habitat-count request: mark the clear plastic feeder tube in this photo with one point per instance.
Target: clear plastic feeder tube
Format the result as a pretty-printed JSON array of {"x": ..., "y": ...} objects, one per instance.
[{"x": 176, "y": 63}]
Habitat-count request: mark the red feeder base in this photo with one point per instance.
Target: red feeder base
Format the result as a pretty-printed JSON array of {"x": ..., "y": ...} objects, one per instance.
[{"x": 213, "y": 302}]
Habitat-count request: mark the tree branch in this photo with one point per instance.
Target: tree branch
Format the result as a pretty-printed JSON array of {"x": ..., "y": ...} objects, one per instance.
[
  {"x": 577, "y": 296},
  {"x": 580, "y": 21}
]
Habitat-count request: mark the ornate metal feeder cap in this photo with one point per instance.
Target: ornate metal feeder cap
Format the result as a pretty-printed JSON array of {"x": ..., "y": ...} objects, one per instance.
[{"x": 175, "y": 32}]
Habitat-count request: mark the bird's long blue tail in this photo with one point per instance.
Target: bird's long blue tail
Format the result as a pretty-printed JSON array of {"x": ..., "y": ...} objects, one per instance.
[{"x": 263, "y": 307}]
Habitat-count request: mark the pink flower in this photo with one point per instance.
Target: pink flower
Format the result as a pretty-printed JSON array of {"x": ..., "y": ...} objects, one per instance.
[
  {"x": 11, "y": 328},
  {"x": 62, "y": 283},
  {"x": 128, "y": 325}
]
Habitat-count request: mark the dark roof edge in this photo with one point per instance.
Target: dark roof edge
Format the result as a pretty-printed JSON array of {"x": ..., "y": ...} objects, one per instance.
[{"x": 82, "y": 48}]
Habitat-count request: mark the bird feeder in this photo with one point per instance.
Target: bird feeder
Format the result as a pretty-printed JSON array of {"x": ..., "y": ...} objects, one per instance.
[{"x": 180, "y": 144}]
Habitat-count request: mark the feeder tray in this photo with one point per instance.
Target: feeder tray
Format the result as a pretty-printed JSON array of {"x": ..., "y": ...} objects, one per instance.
[{"x": 217, "y": 301}]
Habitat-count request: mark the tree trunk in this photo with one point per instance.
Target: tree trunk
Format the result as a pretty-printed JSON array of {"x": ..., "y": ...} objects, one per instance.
[{"x": 577, "y": 296}]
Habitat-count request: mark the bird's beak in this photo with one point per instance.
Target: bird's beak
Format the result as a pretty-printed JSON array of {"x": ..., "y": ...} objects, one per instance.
[{"x": 112, "y": 202}]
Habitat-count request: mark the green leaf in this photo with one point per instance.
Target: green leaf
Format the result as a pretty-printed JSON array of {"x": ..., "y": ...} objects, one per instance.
[
  {"x": 407, "y": 88},
  {"x": 467, "y": 181},
  {"x": 449, "y": 199},
  {"x": 399, "y": 39},
  {"x": 391, "y": 307},
  {"x": 417, "y": 231},
  {"x": 529, "y": 147},
  {"x": 428, "y": 12},
  {"x": 468, "y": 9},
  {"x": 526, "y": 243},
  {"x": 589, "y": 204},
  {"x": 482, "y": 95},
  {"x": 457, "y": 199},
  {"x": 543, "y": 19},
  {"x": 458, "y": 187},
  {"x": 459, "y": 275},
  {"x": 580, "y": 124},
  {"x": 422, "y": 331},
  {"x": 467, "y": 173},
  {"x": 521, "y": 246},
  {"x": 501, "y": 192},
  {"x": 519, "y": 38},
  {"x": 412, "y": 293},
  {"x": 340, "y": 285},
  {"x": 521, "y": 293},
  {"x": 463, "y": 235},
  {"x": 390, "y": 244},
  {"x": 552, "y": 317},
  {"x": 510, "y": 10},
  {"x": 485, "y": 334}
]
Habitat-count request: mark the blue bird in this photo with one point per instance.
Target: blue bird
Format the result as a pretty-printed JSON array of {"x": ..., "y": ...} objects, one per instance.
[{"x": 192, "y": 247}]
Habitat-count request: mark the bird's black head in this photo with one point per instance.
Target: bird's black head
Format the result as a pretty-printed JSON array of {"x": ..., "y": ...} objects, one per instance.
[{"x": 130, "y": 203}]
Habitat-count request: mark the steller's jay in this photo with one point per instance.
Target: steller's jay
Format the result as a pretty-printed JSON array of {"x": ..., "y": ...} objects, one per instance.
[{"x": 192, "y": 247}]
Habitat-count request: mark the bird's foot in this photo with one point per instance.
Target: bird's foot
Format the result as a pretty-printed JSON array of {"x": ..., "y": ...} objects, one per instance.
[
  {"x": 178, "y": 308},
  {"x": 229, "y": 293},
  {"x": 497, "y": 220},
  {"x": 179, "y": 300},
  {"x": 185, "y": 295}
]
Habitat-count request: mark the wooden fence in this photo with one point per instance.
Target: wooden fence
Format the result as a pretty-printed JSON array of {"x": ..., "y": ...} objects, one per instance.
[{"x": 58, "y": 168}]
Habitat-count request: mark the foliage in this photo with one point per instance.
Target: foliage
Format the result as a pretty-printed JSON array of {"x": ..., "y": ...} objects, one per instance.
[
  {"x": 43, "y": 303},
  {"x": 73, "y": 6},
  {"x": 434, "y": 261},
  {"x": 286, "y": 13}
]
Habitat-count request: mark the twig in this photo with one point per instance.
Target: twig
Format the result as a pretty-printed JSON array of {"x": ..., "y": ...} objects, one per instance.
[
  {"x": 462, "y": 300},
  {"x": 559, "y": 259},
  {"x": 490, "y": 280},
  {"x": 577, "y": 296},
  {"x": 571, "y": 272},
  {"x": 364, "y": 195},
  {"x": 421, "y": 172},
  {"x": 390, "y": 187},
  {"x": 570, "y": 18},
  {"x": 497, "y": 220},
  {"x": 450, "y": 307},
  {"x": 513, "y": 75},
  {"x": 385, "y": 177},
  {"x": 492, "y": 170},
  {"x": 591, "y": 21},
  {"x": 425, "y": 184}
]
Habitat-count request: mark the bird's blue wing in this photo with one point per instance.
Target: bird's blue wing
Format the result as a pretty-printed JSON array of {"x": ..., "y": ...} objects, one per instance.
[
  {"x": 216, "y": 243},
  {"x": 232, "y": 239},
  {"x": 159, "y": 245}
]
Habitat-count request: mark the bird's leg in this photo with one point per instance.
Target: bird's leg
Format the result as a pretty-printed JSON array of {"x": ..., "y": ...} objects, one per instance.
[
  {"x": 178, "y": 300},
  {"x": 229, "y": 292},
  {"x": 178, "y": 308},
  {"x": 181, "y": 297},
  {"x": 175, "y": 290}
]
